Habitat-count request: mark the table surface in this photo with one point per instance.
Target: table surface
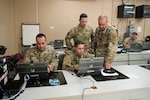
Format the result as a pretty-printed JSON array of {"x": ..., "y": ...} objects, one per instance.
[{"x": 138, "y": 79}]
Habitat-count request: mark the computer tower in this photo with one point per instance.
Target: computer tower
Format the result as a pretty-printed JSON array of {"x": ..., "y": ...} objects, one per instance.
[
  {"x": 126, "y": 11},
  {"x": 142, "y": 11}
]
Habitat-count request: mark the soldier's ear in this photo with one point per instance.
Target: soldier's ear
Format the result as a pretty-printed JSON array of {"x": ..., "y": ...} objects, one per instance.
[
  {"x": 75, "y": 48},
  {"x": 79, "y": 20}
]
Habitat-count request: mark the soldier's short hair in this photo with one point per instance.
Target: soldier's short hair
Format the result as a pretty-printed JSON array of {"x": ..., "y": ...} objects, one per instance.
[
  {"x": 134, "y": 33},
  {"x": 40, "y": 35},
  {"x": 83, "y": 15},
  {"x": 102, "y": 17},
  {"x": 78, "y": 42}
]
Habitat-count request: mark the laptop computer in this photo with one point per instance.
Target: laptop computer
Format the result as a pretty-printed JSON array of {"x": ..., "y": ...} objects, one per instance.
[
  {"x": 37, "y": 72},
  {"x": 135, "y": 47},
  {"x": 146, "y": 45},
  {"x": 88, "y": 66}
]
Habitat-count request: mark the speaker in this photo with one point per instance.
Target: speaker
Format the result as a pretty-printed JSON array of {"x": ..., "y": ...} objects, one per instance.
[
  {"x": 126, "y": 11},
  {"x": 142, "y": 11}
]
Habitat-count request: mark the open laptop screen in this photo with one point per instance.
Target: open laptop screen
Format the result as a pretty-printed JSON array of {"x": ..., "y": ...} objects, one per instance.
[
  {"x": 146, "y": 45},
  {"x": 90, "y": 65},
  {"x": 30, "y": 68},
  {"x": 36, "y": 71},
  {"x": 135, "y": 47}
]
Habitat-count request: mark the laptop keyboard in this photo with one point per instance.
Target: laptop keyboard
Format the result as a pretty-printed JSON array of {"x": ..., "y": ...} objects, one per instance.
[{"x": 38, "y": 83}]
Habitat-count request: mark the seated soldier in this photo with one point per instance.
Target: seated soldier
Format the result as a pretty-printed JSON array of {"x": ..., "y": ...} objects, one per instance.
[
  {"x": 42, "y": 53},
  {"x": 71, "y": 59},
  {"x": 129, "y": 40}
]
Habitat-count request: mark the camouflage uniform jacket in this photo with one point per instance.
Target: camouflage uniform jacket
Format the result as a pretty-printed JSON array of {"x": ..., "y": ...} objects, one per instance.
[
  {"x": 79, "y": 33},
  {"x": 71, "y": 59},
  {"x": 127, "y": 42},
  {"x": 107, "y": 41},
  {"x": 48, "y": 55}
]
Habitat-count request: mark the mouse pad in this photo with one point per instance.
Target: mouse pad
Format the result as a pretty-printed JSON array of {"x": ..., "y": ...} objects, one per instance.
[{"x": 101, "y": 77}]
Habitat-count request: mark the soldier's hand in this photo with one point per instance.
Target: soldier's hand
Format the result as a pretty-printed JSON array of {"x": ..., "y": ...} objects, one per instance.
[
  {"x": 48, "y": 70},
  {"x": 76, "y": 67},
  {"x": 107, "y": 65}
]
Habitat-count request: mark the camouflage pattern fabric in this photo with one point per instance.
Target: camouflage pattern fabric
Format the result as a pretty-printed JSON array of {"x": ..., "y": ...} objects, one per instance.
[
  {"x": 127, "y": 42},
  {"x": 71, "y": 59},
  {"x": 80, "y": 33},
  {"x": 48, "y": 55},
  {"x": 107, "y": 43}
]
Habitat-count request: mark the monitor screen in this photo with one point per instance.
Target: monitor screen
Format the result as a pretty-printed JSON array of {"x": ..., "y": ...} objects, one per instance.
[
  {"x": 146, "y": 45},
  {"x": 36, "y": 71},
  {"x": 90, "y": 65}
]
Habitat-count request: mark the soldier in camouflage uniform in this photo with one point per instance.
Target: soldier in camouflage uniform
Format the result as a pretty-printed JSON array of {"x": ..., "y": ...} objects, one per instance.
[
  {"x": 132, "y": 39},
  {"x": 106, "y": 41},
  {"x": 81, "y": 32},
  {"x": 71, "y": 59},
  {"x": 42, "y": 53}
]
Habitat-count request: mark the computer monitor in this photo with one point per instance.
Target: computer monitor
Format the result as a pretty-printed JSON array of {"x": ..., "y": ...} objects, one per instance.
[
  {"x": 146, "y": 45},
  {"x": 36, "y": 71},
  {"x": 57, "y": 44},
  {"x": 135, "y": 47},
  {"x": 90, "y": 65}
]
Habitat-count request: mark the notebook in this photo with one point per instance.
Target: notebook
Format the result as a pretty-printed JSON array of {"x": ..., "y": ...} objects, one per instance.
[
  {"x": 146, "y": 46},
  {"x": 88, "y": 66},
  {"x": 135, "y": 47}
]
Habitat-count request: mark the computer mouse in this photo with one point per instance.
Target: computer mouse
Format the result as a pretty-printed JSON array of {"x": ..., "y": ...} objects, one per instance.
[{"x": 111, "y": 71}]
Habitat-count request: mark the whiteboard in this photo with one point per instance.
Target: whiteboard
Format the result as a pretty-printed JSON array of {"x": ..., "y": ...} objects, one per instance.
[{"x": 29, "y": 32}]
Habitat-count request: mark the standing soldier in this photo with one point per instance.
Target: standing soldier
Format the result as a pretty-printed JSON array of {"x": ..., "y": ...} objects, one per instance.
[
  {"x": 81, "y": 32},
  {"x": 106, "y": 41}
]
